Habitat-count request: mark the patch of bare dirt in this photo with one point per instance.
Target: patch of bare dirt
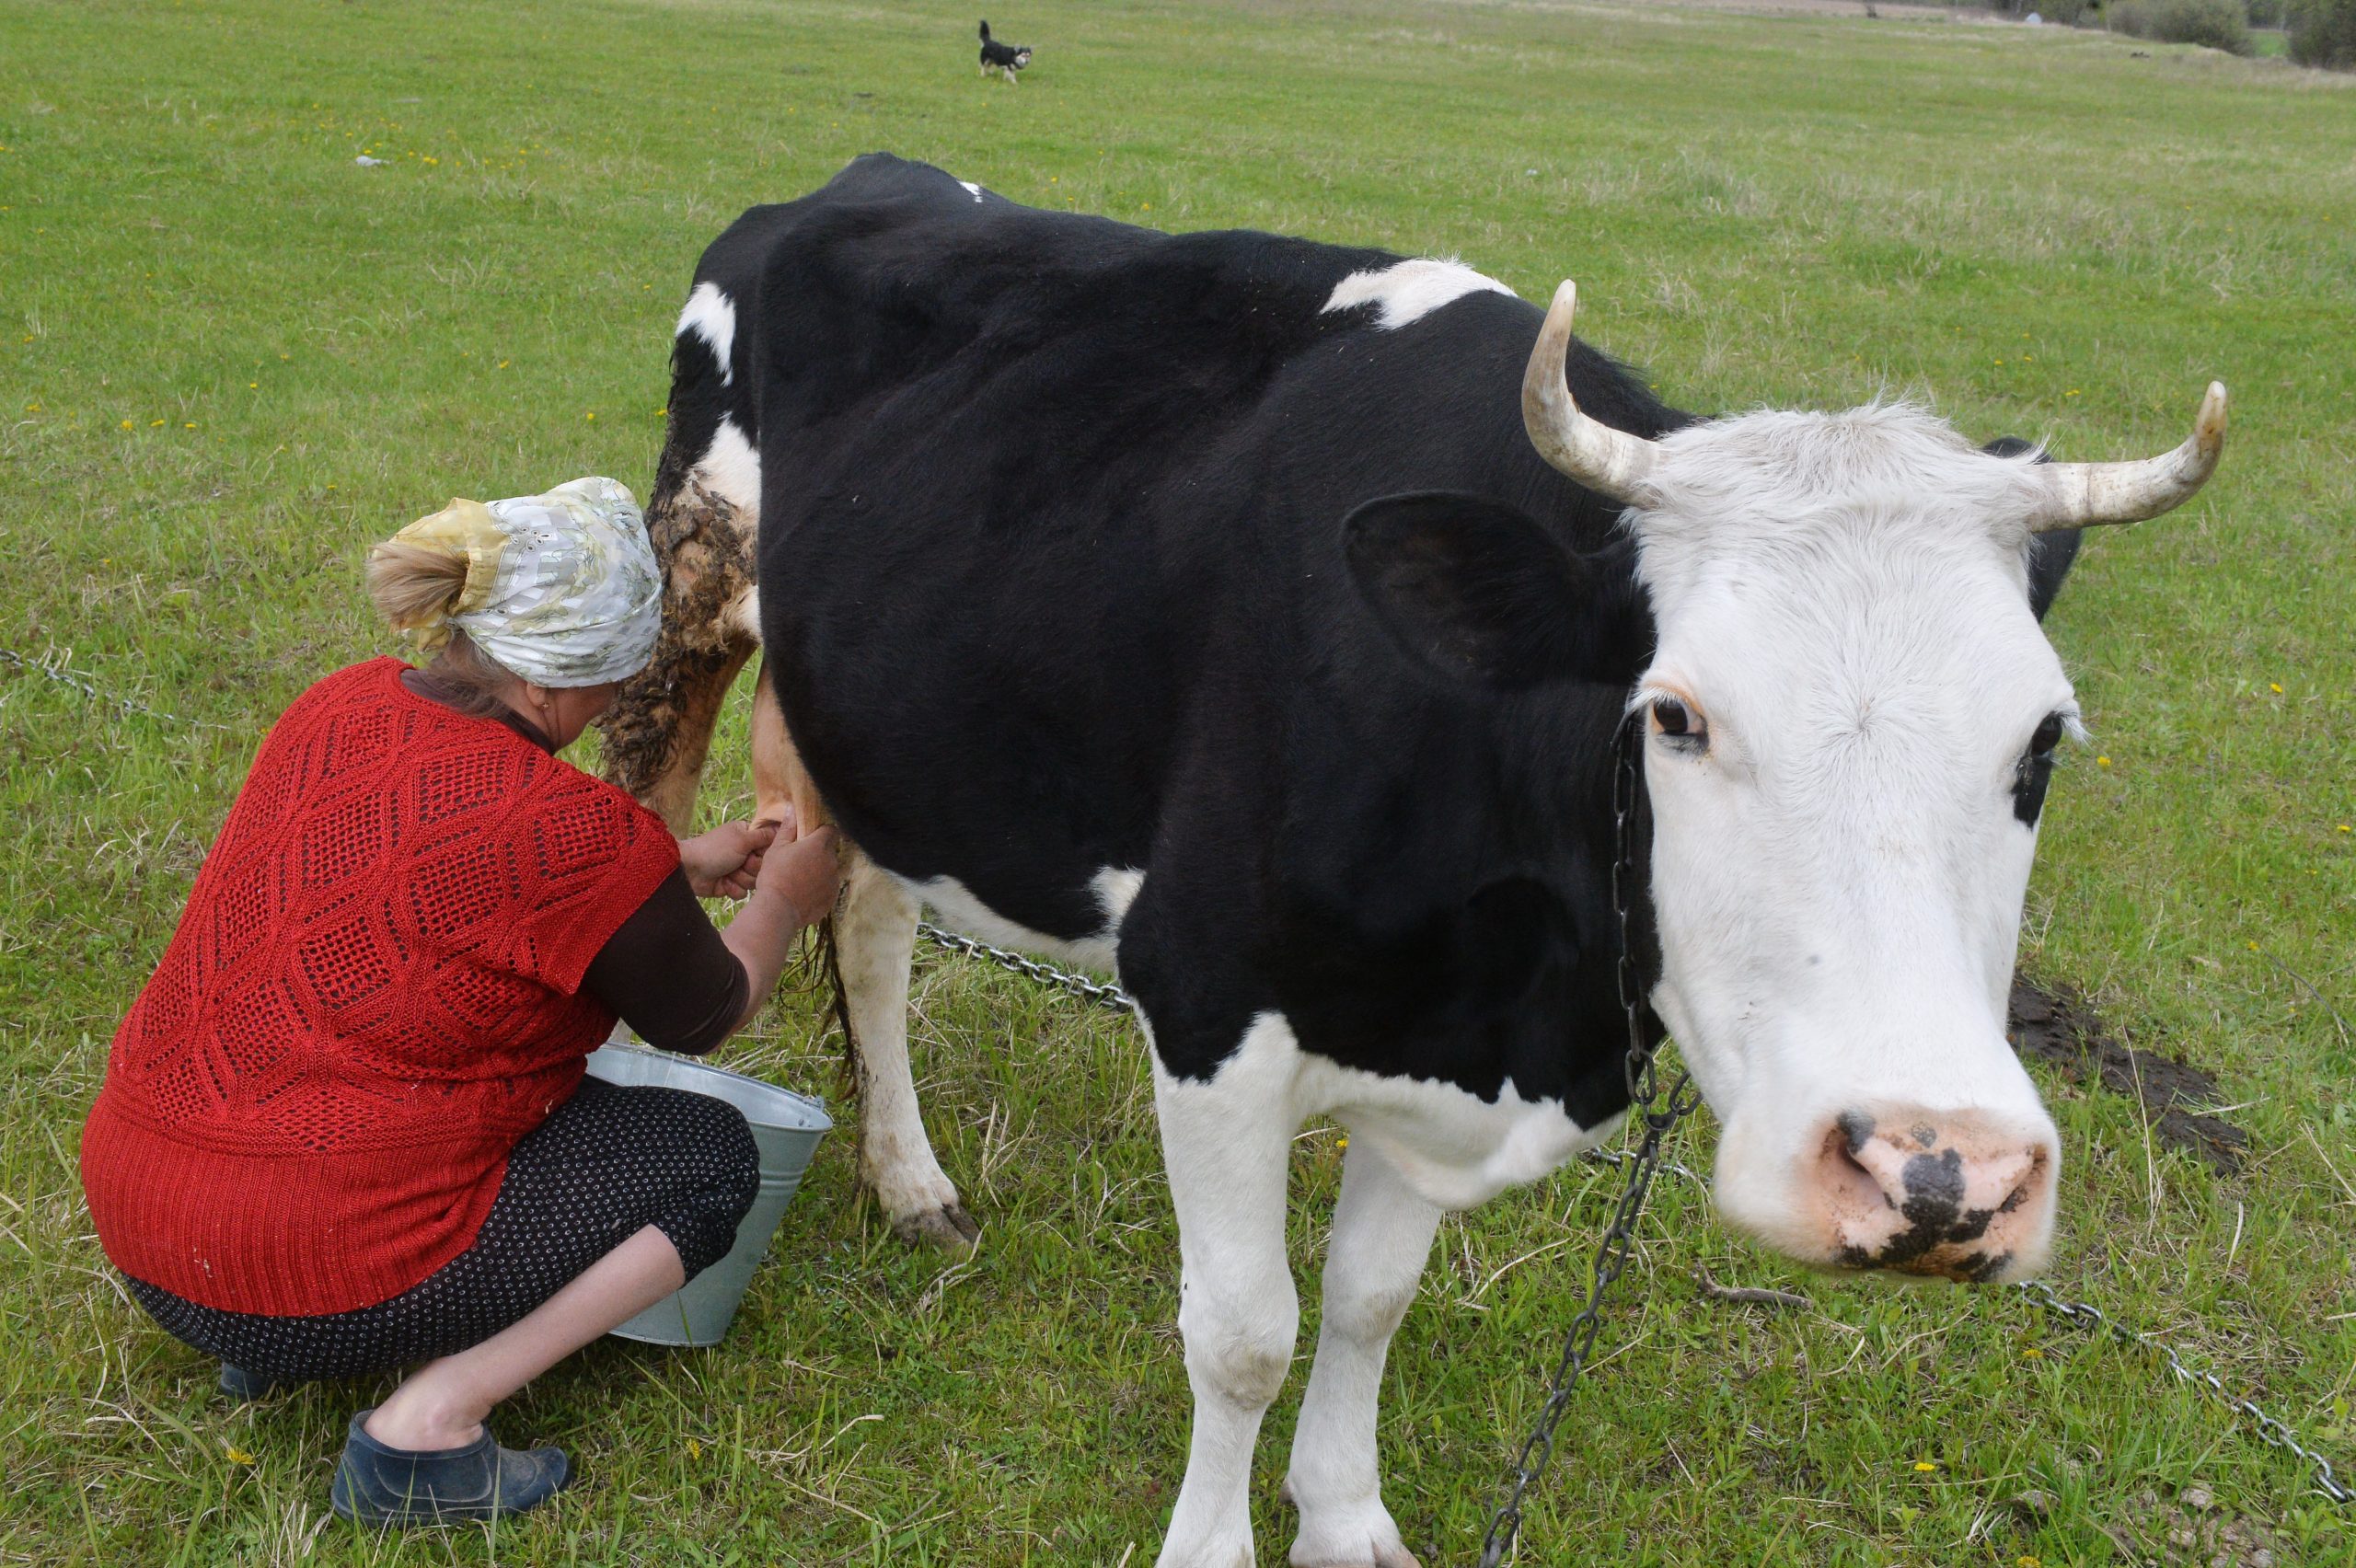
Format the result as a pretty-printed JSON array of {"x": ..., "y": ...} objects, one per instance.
[
  {"x": 2193, "y": 1531},
  {"x": 2057, "y": 1024}
]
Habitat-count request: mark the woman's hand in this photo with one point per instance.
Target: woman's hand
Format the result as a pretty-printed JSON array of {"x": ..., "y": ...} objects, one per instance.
[
  {"x": 801, "y": 867},
  {"x": 725, "y": 862}
]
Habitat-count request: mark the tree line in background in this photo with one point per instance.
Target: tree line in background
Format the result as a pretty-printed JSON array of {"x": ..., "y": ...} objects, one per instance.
[{"x": 2320, "y": 33}]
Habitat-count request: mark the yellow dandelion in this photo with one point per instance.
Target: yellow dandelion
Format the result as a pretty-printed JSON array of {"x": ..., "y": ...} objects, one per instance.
[
  {"x": 502, "y": 364},
  {"x": 190, "y": 425},
  {"x": 251, "y": 385},
  {"x": 126, "y": 424},
  {"x": 589, "y": 416},
  {"x": 285, "y": 356},
  {"x": 153, "y": 423},
  {"x": 2102, "y": 762},
  {"x": 1341, "y": 1142},
  {"x": 2344, "y": 827},
  {"x": 2071, "y": 393},
  {"x": 2253, "y": 947},
  {"x": 2274, "y": 686},
  {"x": 695, "y": 1448},
  {"x": 32, "y": 407},
  {"x": 661, "y": 413},
  {"x": 2025, "y": 1561},
  {"x": 1924, "y": 1467},
  {"x": 2032, "y": 1353},
  {"x": 239, "y": 1455}
]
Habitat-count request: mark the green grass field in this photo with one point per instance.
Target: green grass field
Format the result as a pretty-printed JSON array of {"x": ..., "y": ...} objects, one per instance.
[{"x": 232, "y": 358}]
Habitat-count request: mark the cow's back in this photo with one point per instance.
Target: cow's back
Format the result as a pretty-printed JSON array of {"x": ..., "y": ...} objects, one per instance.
[{"x": 1051, "y": 507}]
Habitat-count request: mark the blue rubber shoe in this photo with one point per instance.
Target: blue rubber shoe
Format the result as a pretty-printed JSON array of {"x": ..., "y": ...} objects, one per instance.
[
  {"x": 240, "y": 1384},
  {"x": 385, "y": 1487}
]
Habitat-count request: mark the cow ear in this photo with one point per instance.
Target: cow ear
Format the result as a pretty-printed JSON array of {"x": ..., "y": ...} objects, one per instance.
[
  {"x": 1471, "y": 588},
  {"x": 2050, "y": 554}
]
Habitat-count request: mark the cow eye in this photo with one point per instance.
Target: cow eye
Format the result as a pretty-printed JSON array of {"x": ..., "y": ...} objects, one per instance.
[
  {"x": 1679, "y": 723},
  {"x": 2035, "y": 769}
]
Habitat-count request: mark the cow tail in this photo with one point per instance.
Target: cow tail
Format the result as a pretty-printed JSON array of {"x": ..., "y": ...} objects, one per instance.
[{"x": 829, "y": 953}]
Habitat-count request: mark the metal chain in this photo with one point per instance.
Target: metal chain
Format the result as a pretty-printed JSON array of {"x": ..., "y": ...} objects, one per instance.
[
  {"x": 1102, "y": 993},
  {"x": 1655, "y": 1112},
  {"x": 89, "y": 690},
  {"x": 2269, "y": 1428}
]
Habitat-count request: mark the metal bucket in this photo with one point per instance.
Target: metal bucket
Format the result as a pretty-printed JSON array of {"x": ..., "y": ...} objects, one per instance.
[{"x": 786, "y": 1125}]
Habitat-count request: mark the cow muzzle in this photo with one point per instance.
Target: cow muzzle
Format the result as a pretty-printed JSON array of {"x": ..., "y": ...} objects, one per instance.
[{"x": 1961, "y": 1195}]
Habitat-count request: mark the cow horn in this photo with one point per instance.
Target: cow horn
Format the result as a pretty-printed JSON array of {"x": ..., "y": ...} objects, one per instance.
[
  {"x": 1610, "y": 462},
  {"x": 2085, "y": 494}
]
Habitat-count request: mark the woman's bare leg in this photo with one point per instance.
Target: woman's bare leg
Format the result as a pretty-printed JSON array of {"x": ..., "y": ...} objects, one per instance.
[{"x": 443, "y": 1403}]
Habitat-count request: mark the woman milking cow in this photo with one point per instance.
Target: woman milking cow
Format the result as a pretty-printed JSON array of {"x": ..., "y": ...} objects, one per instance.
[{"x": 344, "y": 1129}]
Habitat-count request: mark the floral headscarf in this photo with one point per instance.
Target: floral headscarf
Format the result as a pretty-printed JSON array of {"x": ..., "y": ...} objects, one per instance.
[{"x": 562, "y": 589}]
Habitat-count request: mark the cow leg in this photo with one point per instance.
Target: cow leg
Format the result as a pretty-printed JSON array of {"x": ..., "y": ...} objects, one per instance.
[
  {"x": 673, "y": 794},
  {"x": 875, "y": 936},
  {"x": 1226, "y": 1144},
  {"x": 1382, "y": 1233}
]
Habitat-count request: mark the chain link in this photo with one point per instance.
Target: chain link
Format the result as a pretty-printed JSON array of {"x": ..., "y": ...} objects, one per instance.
[
  {"x": 89, "y": 690},
  {"x": 2269, "y": 1428},
  {"x": 1102, "y": 993},
  {"x": 1651, "y": 1110}
]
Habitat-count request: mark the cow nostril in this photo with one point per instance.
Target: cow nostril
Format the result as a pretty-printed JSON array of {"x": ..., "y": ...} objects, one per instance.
[{"x": 1847, "y": 1175}]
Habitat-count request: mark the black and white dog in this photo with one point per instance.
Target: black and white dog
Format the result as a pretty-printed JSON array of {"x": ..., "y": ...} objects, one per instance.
[{"x": 1007, "y": 57}]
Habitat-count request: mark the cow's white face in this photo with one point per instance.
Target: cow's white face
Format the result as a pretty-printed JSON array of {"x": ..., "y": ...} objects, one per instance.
[
  {"x": 1849, "y": 721},
  {"x": 1842, "y": 723}
]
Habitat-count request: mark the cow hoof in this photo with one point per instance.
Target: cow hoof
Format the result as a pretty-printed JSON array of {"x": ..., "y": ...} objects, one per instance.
[
  {"x": 1383, "y": 1557},
  {"x": 1360, "y": 1536},
  {"x": 1214, "y": 1555},
  {"x": 948, "y": 1226}
]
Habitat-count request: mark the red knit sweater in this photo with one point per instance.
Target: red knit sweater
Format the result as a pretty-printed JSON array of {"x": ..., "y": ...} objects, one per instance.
[{"x": 372, "y": 995}]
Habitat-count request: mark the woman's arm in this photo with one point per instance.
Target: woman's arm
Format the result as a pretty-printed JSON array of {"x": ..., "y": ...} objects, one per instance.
[
  {"x": 796, "y": 887},
  {"x": 684, "y": 986}
]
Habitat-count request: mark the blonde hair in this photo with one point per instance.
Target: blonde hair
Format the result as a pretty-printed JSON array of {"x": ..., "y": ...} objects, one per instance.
[{"x": 412, "y": 585}]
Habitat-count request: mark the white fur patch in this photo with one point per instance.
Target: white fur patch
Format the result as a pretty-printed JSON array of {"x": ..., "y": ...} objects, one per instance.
[
  {"x": 1410, "y": 290},
  {"x": 711, "y": 315},
  {"x": 954, "y": 905},
  {"x": 744, "y": 612},
  {"x": 1452, "y": 1148},
  {"x": 730, "y": 469},
  {"x": 1117, "y": 888},
  {"x": 972, "y": 190}
]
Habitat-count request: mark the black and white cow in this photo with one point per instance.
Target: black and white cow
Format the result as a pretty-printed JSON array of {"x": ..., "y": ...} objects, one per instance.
[{"x": 1258, "y": 615}]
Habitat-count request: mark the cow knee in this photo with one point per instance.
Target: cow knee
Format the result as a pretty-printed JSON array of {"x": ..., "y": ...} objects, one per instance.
[
  {"x": 1368, "y": 1313},
  {"x": 1241, "y": 1348}
]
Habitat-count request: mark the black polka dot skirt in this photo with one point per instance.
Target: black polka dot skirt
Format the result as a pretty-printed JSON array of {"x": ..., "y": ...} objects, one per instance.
[{"x": 605, "y": 1165}]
